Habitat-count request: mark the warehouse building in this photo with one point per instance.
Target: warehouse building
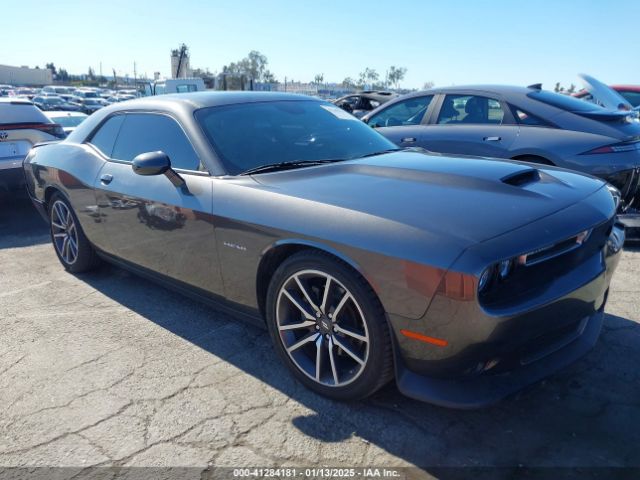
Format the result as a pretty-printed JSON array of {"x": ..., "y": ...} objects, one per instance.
[{"x": 25, "y": 76}]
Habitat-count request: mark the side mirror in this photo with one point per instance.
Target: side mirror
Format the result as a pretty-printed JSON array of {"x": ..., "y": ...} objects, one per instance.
[
  {"x": 156, "y": 163},
  {"x": 151, "y": 163}
]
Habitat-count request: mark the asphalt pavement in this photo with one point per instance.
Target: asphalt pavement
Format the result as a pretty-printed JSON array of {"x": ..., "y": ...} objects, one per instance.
[{"x": 110, "y": 369}]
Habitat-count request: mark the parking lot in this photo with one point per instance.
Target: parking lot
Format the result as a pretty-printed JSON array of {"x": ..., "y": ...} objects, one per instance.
[{"x": 107, "y": 368}]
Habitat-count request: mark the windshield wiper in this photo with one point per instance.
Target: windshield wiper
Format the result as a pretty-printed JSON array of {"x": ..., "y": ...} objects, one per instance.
[
  {"x": 390, "y": 150},
  {"x": 275, "y": 167}
]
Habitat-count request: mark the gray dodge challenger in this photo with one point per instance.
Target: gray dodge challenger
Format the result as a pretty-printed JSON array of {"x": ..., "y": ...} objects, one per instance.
[{"x": 464, "y": 280}]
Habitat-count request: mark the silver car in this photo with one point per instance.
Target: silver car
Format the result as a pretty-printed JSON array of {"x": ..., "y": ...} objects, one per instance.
[{"x": 521, "y": 123}]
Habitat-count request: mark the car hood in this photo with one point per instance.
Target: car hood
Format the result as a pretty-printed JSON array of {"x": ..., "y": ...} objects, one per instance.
[{"x": 464, "y": 198}]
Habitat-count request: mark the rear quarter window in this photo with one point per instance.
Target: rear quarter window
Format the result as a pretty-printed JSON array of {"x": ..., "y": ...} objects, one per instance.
[{"x": 105, "y": 137}]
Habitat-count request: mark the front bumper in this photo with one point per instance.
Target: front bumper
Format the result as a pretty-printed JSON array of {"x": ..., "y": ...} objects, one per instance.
[
  {"x": 495, "y": 352},
  {"x": 487, "y": 389}
]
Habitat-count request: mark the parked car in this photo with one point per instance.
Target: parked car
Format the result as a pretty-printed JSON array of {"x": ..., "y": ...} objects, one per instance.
[
  {"x": 67, "y": 120},
  {"x": 631, "y": 93},
  {"x": 88, "y": 105},
  {"x": 466, "y": 279},
  {"x": 119, "y": 98},
  {"x": 57, "y": 89},
  {"x": 54, "y": 103},
  {"x": 84, "y": 93},
  {"x": 362, "y": 103},
  {"x": 5, "y": 89},
  {"x": 527, "y": 124},
  {"x": 22, "y": 125},
  {"x": 27, "y": 93}
]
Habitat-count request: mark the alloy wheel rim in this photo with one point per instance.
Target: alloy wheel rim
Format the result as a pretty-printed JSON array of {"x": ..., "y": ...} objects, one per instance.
[
  {"x": 322, "y": 328},
  {"x": 64, "y": 232}
]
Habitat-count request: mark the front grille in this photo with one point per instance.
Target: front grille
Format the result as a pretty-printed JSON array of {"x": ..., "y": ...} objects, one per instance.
[{"x": 531, "y": 278}]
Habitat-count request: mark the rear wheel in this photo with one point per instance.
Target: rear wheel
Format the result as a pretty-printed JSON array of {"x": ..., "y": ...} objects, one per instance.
[
  {"x": 328, "y": 327},
  {"x": 69, "y": 241}
]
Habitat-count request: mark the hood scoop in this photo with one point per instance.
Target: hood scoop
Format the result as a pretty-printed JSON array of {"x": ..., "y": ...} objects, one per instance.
[{"x": 522, "y": 177}]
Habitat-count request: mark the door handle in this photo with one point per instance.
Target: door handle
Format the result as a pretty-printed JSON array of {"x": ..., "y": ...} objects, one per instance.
[
  {"x": 408, "y": 140},
  {"x": 106, "y": 178},
  {"x": 492, "y": 139}
]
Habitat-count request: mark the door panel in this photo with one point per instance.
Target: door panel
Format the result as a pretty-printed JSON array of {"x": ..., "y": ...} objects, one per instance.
[
  {"x": 153, "y": 224},
  {"x": 404, "y": 136},
  {"x": 482, "y": 140},
  {"x": 471, "y": 124}
]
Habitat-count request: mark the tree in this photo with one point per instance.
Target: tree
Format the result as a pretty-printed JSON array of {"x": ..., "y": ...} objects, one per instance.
[
  {"x": 253, "y": 67},
  {"x": 269, "y": 77},
  {"x": 63, "y": 75},
  {"x": 348, "y": 82},
  {"x": 428, "y": 85},
  {"x": 558, "y": 88},
  {"x": 396, "y": 75},
  {"x": 368, "y": 74},
  {"x": 91, "y": 74},
  {"x": 52, "y": 67},
  {"x": 319, "y": 78},
  {"x": 571, "y": 89}
]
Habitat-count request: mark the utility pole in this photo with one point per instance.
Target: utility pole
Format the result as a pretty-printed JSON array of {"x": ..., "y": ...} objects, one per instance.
[{"x": 135, "y": 81}]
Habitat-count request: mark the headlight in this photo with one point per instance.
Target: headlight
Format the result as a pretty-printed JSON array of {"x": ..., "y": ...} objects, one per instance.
[
  {"x": 504, "y": 268},
  {"x": 615, "y": 193},
  {"x": 497, "y": 271},
  {"x": 485, "y": 278}
]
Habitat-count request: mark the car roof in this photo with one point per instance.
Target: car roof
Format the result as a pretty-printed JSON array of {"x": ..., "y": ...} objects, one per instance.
[
  {"x": 498, "y": 89},
  {"x": 212, "y": 99},
  {"x": 16, "y": 100},
  {"x": 373, "y": 95}
]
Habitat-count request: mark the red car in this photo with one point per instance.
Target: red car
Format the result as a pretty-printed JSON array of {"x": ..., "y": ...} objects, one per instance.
[{"x": 631, "y": 93}]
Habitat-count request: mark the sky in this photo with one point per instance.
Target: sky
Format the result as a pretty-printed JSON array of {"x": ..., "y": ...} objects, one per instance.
[{"x": 447, "y": 42}]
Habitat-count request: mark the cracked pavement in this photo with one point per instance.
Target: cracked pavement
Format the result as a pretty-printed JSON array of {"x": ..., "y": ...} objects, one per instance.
[{"x": 110, "y": 369}]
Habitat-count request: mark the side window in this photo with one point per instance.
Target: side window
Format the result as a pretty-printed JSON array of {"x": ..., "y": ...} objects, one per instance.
[
  {"x": 350, "y": 102},
  {"x": 470, "y": 109},
  {"x": 526, "y": 118},
  {"x": 407, "y": 112},
  {"x": 141, "y": 133},
  {"x": 185, "y": 88},
  {"x": 105, "y": 137}
]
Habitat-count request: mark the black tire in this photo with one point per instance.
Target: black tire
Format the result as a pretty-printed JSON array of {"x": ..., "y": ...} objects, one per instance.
[
  {"x": 85, "y": 257},
  {"x": 362, "y": 306}
]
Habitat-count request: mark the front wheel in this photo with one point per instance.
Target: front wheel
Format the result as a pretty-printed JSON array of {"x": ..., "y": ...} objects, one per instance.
[
  {"x": 69, "y": 241},
  {"x": 329, "y": 327}
]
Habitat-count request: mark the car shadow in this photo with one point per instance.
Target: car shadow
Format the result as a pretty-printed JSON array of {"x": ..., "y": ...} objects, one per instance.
[
  {"x": 20, "y": 223},
  {"x": 586, "y": 415}
]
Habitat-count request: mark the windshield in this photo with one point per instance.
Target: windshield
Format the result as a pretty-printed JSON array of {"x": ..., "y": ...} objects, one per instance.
[
  {"x": 53, "y": 101},
  {"x": 249, "y": 135},
  {"x": 89, "y": 101},
  {"x": 564, "y": 102},
  {"x": 68, "y": 120}
]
